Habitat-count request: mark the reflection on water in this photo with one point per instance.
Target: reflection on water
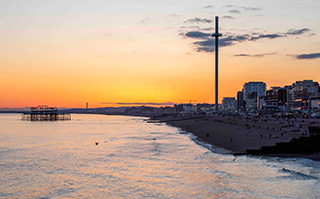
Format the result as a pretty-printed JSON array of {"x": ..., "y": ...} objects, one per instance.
[{"x": 135, "y": 159}]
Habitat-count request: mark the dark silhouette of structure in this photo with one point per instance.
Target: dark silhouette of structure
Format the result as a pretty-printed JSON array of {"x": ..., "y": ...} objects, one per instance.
[
  {"x": 217, "y": 35},
  {"x": 45, "y": 113}
]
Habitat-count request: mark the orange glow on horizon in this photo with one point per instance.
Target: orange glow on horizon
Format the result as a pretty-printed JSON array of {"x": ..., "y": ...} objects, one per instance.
[{"x": 65, "y": 58}]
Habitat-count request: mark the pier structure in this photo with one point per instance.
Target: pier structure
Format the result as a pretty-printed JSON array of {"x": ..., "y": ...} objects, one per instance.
[{"x": 45, "y": 113}]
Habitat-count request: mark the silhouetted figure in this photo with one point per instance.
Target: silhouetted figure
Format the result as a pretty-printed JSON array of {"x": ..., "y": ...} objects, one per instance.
[
  {"x": 270, "y": 136},
  {"x": 230, "y": 139},
  {"x": 261, "y": 136},
  {"x": 281, "y": 134},
  {"x": 207, "y": 134}
]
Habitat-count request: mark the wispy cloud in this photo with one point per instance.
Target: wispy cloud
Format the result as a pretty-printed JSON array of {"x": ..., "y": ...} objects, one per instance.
[
  {"x": 208, "y": 44},
  {"x": 205, "y": 42},
  {"x": 298, "y": 32},
  {"x": 307, "y": 56},
  {"x": 198, "y": 20},
  {"x": 208, "y": 6},
  {"x": 144, "y": 20},
  {"x": 190, "y": 27},
  {"x": 142, "y": 103},
  {"x": 235, "y": 11},
  {"x": 197, "y": 35},
  {"x": 204, "y": 46},
  {"x": 254, "y": 55},
  {"x": 243, "y": 7},
  {"x": 267, "y": 36},
  {"x": 227, "y": 17},
  {"x": 250, "y": 8}
]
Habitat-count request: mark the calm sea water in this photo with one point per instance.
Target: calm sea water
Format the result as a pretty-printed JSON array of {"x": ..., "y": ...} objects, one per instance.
[{"x": 135, "y": 159}]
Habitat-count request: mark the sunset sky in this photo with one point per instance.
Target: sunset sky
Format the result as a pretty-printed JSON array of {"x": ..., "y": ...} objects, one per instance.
[{"x": 65, "y": 53}]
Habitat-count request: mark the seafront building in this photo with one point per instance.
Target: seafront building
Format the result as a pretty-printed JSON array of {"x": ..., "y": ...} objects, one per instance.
[
  {"x": 248, "y": 98},
  {"x": 229, "y": 104},
  {"x": 300, "y": 95},
  {"x": 250, "y": 87},
  {"x": 240, "y": 101}
]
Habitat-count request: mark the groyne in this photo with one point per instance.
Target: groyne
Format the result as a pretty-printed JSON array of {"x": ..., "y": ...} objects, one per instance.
[{"x": 301, "y": 145}]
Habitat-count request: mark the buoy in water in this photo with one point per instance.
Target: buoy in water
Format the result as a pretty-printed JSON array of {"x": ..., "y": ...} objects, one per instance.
[{"x": 97, "y": 143}]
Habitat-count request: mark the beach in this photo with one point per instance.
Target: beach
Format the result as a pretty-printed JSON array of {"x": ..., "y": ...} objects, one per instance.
[{"x": 238, "y": 134}]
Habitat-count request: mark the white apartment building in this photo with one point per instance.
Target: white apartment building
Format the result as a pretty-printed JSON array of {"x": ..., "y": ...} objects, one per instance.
[{"x": 259, "y": 87}]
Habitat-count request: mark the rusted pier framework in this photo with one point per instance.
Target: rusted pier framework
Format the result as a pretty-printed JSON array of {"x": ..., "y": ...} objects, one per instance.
[{"x": 45, "y": 113}]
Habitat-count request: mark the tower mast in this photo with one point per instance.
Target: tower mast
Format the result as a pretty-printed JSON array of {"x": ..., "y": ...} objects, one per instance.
[{"x": 217, "y": 35}]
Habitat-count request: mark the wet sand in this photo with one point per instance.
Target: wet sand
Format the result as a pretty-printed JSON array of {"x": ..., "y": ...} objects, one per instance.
[{"x": 237, "y": 134}]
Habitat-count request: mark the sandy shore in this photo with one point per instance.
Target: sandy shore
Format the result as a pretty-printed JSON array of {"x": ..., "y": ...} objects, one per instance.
[{"x": 237, "y": 134}]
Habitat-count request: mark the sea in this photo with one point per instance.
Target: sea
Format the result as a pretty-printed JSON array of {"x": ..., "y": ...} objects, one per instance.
[{"x": 136, "y": 159}]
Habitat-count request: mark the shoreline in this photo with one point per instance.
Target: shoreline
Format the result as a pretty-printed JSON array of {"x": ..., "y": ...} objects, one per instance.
[{"x": 236, "y": 135}]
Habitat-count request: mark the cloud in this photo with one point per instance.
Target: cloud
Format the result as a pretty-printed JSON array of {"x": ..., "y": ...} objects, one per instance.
[
  {"x": 207, "y": 45},
  {"x": 198, "y": 20},
  {"x": 227, "y": 17},
  {"x": 242, "y": 55},
  {"x": 190, "y": 27},
  {"x": 230, "y": 40},
  {"x": 250, "y": 8},
  {"x": 206, "y": 29},
  {"x": 144, "y": 20},
  {"x": 173, "y": 15},
  {"x": 208, "y": 6},
  {"x": 308, "y": 56},
  {"x": 255, "y": 55},
  {"x": 298, "y": 32},
  {"x": 234, "y": 11},
  {"x": 204, "y": 46},
  {"x": 205, "y": 42},
  {"x": 268, "y": 36},
  {"x": 197, "y": 35},
  {"x": 226, "y": 41},
  {"x": 147, "y": 103},
  {"x": 243, "y": 7}
]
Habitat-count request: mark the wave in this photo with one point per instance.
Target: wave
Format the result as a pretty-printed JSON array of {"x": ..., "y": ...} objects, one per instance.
[
  {"x": 298, "y": 175},
  {"x": 204, "y": 144}
]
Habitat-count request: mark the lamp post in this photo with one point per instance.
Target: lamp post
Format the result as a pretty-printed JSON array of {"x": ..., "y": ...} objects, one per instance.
[{"x": 217, "y": 35}]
